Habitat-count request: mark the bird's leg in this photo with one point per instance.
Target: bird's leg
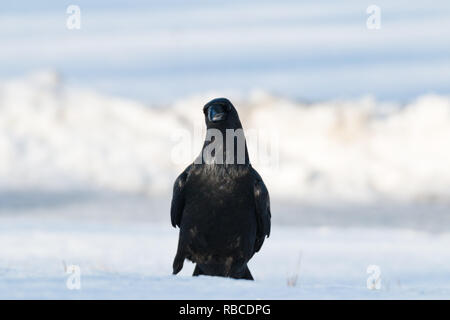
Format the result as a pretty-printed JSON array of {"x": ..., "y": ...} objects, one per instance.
[
  {"x": 197, "y": 271},
  {"x": 246, "y": 274}
]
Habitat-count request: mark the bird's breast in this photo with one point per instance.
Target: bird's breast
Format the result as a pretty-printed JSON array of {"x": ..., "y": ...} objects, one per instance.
[{"x": 214, "y": 200}]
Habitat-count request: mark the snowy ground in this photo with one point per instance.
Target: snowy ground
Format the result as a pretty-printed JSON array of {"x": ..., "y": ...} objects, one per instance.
[
  {"x": 125, "y": 250},
  {"x": 357, "y": 166}
]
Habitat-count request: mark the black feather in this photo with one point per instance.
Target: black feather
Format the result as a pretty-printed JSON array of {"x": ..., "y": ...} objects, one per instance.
[
  {"x": 176, "y": 209},
  {"x": 223, "y": 210}
]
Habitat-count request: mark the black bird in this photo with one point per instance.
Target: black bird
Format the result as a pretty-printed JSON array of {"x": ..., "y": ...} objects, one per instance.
[{"x": 220, "y": 202}]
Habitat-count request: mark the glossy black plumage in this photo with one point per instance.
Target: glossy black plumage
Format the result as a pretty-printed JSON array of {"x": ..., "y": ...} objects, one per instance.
[{"x": 222, "y": 208}]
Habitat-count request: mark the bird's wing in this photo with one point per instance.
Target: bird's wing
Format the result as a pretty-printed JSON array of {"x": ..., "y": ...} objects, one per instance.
[
  {"x": 176, "y": 209},
  {"x": 263, "y": 214}
]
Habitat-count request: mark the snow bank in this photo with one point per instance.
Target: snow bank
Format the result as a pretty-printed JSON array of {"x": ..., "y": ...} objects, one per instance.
[{"x": 55, "y": 137}]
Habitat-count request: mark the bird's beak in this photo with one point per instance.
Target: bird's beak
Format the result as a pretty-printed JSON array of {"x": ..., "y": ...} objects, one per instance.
[{"x": 215, "y": 114}]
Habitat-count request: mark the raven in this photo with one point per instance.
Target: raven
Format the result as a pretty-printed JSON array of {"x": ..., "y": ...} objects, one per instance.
[{"x": 220, "y": 203}]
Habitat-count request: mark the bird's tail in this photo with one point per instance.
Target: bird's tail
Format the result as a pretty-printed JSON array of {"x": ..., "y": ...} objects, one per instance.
[
  {"x": 178, "y": 263},
  {"x": 179, "y": 258}
]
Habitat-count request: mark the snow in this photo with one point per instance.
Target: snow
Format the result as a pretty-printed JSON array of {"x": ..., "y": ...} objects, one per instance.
[
  {"x": 54, "y": 136},
  {"x": 89, "y": 152},
  {"x": 125, "y": 251},
  {"x": 85, "y": 180}
]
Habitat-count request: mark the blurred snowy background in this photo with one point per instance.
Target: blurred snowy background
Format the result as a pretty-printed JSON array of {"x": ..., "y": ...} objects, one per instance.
[{"x": 88, "y": 123}]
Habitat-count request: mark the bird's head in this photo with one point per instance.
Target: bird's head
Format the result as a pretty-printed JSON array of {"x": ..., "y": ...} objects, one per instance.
[
  {"x": 221, "y": 114},
  {"x": 225, "y": 139}
]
